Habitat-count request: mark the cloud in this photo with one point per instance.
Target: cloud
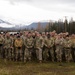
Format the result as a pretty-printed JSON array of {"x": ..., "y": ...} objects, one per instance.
[
  {"x": 52, "y": 1},
  {"x": 28, "y": 11},
  {"x": 63, "y": 5}
]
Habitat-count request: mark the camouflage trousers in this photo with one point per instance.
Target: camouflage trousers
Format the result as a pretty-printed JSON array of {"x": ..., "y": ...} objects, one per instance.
[
  {"x": 59, "y": 52},
  {"x": 68, "y": 54},
  {"x": 51, "y": 50},
  {"x": 73, "y": 54},
  {"x": 18, "y": 53},
  {"x": 39, "y": 54},
  {"x": 1, "y": 51},
  {"x": 27, "y": 54},
  {"x": 8, "y": 53},
  {"x": 45, "y": 54}
]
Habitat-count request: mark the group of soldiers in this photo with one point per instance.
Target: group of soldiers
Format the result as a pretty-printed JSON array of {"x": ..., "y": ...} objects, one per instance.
[{"x": 32, "y": 45}]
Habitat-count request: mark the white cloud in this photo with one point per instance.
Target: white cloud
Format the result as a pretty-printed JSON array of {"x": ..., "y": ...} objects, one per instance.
[{"x": 28, "y": 11}]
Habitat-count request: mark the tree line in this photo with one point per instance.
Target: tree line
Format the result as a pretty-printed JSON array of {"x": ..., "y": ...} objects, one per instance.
[{"x": 58, "y": 26}]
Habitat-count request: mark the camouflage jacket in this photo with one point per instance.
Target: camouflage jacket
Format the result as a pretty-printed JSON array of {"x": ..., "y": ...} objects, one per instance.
[
  {"x": 8, "y": 42},
  {"x": 49, "y": 42},
  {"x": 38, "y": 42},
  {"x": 67, "y": 43},
  {"x": 29, "y": 42}
]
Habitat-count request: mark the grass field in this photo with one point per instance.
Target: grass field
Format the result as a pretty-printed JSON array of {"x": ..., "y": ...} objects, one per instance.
[{"x": 34, "y": 68}]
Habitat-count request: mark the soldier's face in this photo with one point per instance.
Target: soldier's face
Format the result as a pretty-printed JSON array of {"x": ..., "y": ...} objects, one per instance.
[
  {"x": 38, "y": 35},
  {"x": 33, "y": 34},
  {"x": 67, "y": 38},
  {"x": 26, "y": 33},
  {"x": 8, "y": 36},
  {"x": 43, "y": 35},
  {"x": 29, "y": 35}
]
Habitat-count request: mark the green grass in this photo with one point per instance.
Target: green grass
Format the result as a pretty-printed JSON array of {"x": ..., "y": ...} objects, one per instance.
[{"x": 34, "y": 68}]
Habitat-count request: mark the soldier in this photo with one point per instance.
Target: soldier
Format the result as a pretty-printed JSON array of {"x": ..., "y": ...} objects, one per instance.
[
  {"x": 33, "y": 50},
  {"x": 1, "y": 45},
  {"x": 73, "y": 46},
  {"x": 18, "y": 47},
  {"x": 59, "y": 47},
  {"x": 13, "y": 37},
  {"x": 38, "y": 46},
  {"x": 49, "y": 43},
  {"x": 29, "y": 43},
  {"x": 8, "y": 45},
  {"x": 24, "y": 35},
  {"x": 67, "y": 48},
  {"x": 13, "y": 53},
  {"x": 44, "y": 37},
  {"x": 53, "y": 37}
]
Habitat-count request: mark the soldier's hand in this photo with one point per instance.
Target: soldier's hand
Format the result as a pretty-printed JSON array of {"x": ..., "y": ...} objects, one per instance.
[
  {"x": 4, "y": 47},
  {"x": 48, "y": 46}
]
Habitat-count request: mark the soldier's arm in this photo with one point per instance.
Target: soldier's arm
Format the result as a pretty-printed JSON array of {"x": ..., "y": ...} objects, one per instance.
[
  {"x": 15, "y": 43},
  {"x": 45, "y": 42},
  {"x": 52, "y": 42},
  {"x": 25, "y": 43}
]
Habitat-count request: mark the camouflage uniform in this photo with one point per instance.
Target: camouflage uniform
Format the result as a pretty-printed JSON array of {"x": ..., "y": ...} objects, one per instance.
[
  {"x": 18, "y": 48},
  {"x": 8, "y": 43},
  {"x": 49, "y": 43},
  {"x": 38, "y": 46},
  {"x": 53, "y": 48},
  {"x": 59, "y": 48},
  {"x": 1, "y": 46},
  {"x": 73, "y": 48},
  {"x": 45, "y": 50},
  {"x": 28, "y": 48},
  {"x": 14, "y": 49},
  {"x": 67, "y": 48}
]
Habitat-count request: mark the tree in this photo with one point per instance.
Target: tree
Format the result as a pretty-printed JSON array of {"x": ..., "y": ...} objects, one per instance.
[{"x": 38, "y": 26}]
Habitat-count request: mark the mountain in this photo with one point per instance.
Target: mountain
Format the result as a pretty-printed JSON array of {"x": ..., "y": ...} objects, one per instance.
[
  {"x": 10, "y": 26},
  {"x": 2, "y": 21},
  {"x": 34, "y": 25}
]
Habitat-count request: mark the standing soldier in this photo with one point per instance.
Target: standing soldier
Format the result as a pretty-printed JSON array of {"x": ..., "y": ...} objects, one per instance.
[
  {"x": 53, "y": 37},
  {"x": 33, "y": 50},
  {"x": 1, "y": 45},
  {"x": 38, "y": 46},
  {"x": 67, "y": 48},
  {"x": 8, "y": 45},
  {"x": 59, "y": 47},
  {"x": 18, "y": 47},
  {"x": 49, "y": 43},
  {"x": 29, "y": 43},
  {"x": 73, "y": 46},
  {"x": 14, "y": 38},
  {"x": 44, "y": 37}
]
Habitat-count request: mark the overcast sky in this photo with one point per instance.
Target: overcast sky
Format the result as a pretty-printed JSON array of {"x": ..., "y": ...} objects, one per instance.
[{"x": 28, "y": 11}]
